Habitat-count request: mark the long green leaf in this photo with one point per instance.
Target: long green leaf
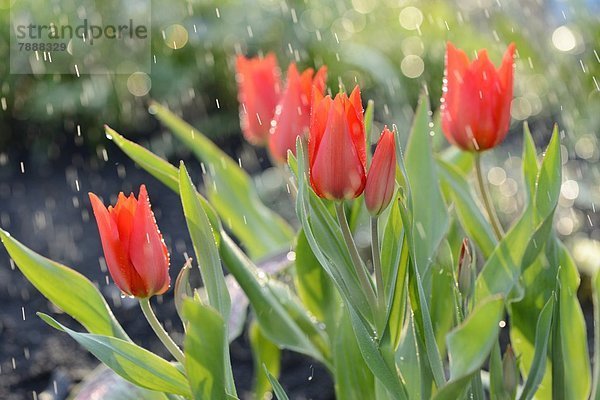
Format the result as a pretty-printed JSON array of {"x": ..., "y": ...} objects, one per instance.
[
  {"x": 429, "y": 213},
  {"x": 137, "y": 365},
  {"x": 526, "y": 238},
  {"x": 66, "y": 288},
  {"x": 205, "y": 246},
  {"x": 275, "y": 321},
  {"x": 353, "y": 378},
  {"x": 231, "y": 192},
  {"x": 469, "y": 345},
  {"x": 571, "y": 375},
  {"x": 159, "y": 168},
  {"x": 538, "y": 366},
  {"x": 277, "y": 388},
  {"x": 314, "y": 287},
  {"x": 205, "y": 351},
  {"x": 265, "y": 353},
  {"x": 457, "y": 190}
]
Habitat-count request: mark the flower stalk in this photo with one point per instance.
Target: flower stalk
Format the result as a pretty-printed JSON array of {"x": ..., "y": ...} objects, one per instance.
[
  {"x": 161, "y": 333},
  {"x": 485, "y": 196}
]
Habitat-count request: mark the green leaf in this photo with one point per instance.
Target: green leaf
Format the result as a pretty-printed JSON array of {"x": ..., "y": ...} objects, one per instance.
[
  {"x": 429, "y": 213},
  {"x": 458, "y": 191},
  {"x": 442, "y": 291},
  {"x": 526, "y": 238},
  {"x": 314, "y": 287},
  {"x": 384, "y": 371},
  {"x": 205, "y": 246},
  {"x": 277, "y": 389},
  {"x": 408, "y": 360},
  {"x": 424, "y": 325},
  {"x": 530, "y": 166},
  {"x": 497, "y": 391},
  {"x": 66, "y": 288},
  {"x": 394, "y": 265},
  {"x": 137, "y": 365},
  {"x": 571, "y": 376},
  {"x": 353, "y": 378},
  {"x": 538, "y": 365},
  {"x": 160, "y": 169},
  {"x": 231, "y": 192},
  {"x": 417, "y": 295},
  {"x": 469, "y": 345},
  {"x": 274, "y": 320},
  {"x": 205, "y": 351},
  {"x": 264, "y": 353}
]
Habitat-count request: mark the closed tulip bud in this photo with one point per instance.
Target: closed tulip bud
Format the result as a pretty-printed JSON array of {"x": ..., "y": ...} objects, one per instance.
[
  {"x": 136, "y": 255},
  {"x": 381, "y": 179},
  {"x": 336, "y": 146},
  {"x": 466, "y": 273},
  {"x": 510, "y": 372},
  {"x": 259, "y": 87},
  {"x": 476, "y": 100},
  {"x": 292, "y": 115}
]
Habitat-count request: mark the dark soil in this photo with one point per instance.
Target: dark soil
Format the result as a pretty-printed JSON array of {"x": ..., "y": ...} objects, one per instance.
[{"x": 47, "y": 208}]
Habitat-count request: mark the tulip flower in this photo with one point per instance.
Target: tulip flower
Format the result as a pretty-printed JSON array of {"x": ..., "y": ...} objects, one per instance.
[
  {"x": 476, "y": 100},
  {"x": 258, "y": 81},
  {"x": 381, "y": 179},
  {"x": 336, "y": 146},
  {"x": 292, "y": 116},
  {"x": 136, "y": 255}
]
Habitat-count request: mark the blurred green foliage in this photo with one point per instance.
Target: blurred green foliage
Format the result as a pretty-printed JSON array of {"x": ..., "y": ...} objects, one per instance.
[{"x": 392, "y": 48}]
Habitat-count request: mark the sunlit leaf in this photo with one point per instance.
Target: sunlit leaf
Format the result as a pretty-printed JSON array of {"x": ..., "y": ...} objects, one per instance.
[
  {"x": 66, "y": 288},
  {"x": 205, "y": 351},
  {"x": 470, "y": 344},
  {"x": 264, "y": 353},
  {"x": 429, "y": 213},
  {"x": 205, "y": 247},
  {"x": 137, "y": 365}
]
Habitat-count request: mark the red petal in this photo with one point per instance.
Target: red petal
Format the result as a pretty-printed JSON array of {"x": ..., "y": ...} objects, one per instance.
[
  {"x": 319, "y": 116},
  {"x": 337, "y": 171},
  {"x": 122, "y": 215},
  {"x": 117, "y": 259},
  {"x": 149, "y": 254},
  {"x": 354, "y": 113},
  {"x": 291, "y": 119},
  {"x": 381, "y": 178}
]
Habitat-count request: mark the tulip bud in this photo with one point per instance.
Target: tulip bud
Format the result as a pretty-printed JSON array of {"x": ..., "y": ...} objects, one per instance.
[
  {"x": 136, "y": 255},
  {"x": 381, "y": 179},
  {"x": 336, "y": 146},
  {"x": 292, "y": 115},
  {"x": 476, "y": 101},
  {"x": 510, "y": 372},
  {"x": 258, "y": 81},
  {"x": 466, "y": 274}
]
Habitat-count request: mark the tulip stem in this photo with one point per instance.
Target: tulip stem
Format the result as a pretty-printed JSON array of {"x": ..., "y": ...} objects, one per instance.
[
  {"x": 376, "y": 253},
  {"x": 363, "y": 276},
  {"x": 160, "y": 331},
  {"x": 489, "y": 208}
]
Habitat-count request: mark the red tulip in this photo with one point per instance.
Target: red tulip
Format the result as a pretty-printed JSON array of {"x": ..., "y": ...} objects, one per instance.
[
  {"x": 258, "y": 81},
  {"x": 292, "y": 116},
  {"x": 336, "y": 146},
  {"x": 136, "y": 255},
  {"x": 476, "y": 101},
  {"x": 381, "y": 179}
]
